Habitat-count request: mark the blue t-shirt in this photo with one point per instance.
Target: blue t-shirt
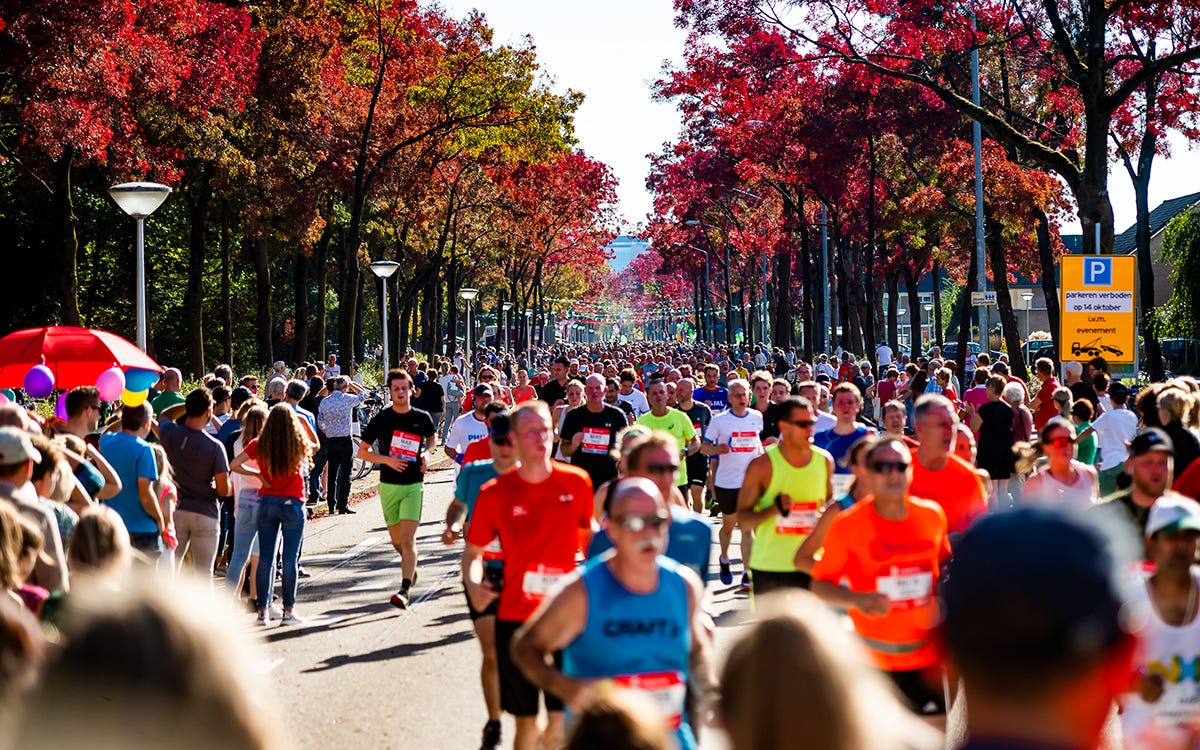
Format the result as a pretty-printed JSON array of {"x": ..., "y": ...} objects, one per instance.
[
  {"x": 717, "y": 399},
  {"x": 230, "y": 426},
  {"x": 470, "y": 479},
  {"x": 839, "y": 446},
  {"x": 131, "y": 458},
  {"x": 689, "y": 541}
]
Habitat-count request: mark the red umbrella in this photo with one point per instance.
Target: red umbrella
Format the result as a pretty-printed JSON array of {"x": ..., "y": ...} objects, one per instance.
[{"x": 76, "y": 356}]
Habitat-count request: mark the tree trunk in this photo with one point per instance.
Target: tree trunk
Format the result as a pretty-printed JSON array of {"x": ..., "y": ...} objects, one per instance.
[
  {"x": 938, "y": 330},
  {"x": 892, "y": 337},
  {"x": 321, "y": 272},
  {"x": 256, "y": 248},
  {"x": 915, "y": 310},
  {"x": 226, "y": 280},
  {"x": 300, "y": 289},
  {"x": 1049, "y": 278},
  {"x": 199, "y": 197},
  {"x": 965, "y": 309},
  {"x": 1008, "y": 319},
  {"x": 1145, "y": 266},
  {"x": 68, "y": 244},
  {"x": 359, "y": 306}
]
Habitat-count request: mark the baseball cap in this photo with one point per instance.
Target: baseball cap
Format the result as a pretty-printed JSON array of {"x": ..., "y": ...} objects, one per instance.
[
  {"x": 1001, "y": 367},
  {"x": 481, "y": 389},
  {"x": 1150, "y": 439},
  {"x": 1058, "y": 570},
  {"x": 240, "y": 395},
  {"x": 574, "y": 361},
  {"x": 15, "y": 447},
  {"x": 1173, "y": 512},
  {"x": 822, "y": 378}
]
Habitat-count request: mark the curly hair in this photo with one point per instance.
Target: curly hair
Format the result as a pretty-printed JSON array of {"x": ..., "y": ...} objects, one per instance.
[{"x": 282, "y": 445}]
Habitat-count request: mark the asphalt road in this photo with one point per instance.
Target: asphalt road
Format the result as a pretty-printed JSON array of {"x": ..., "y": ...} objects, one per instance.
[{"x": 362, "y": 674}]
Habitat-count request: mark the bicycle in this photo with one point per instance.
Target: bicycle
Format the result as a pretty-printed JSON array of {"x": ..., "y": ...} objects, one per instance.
[{"x": 363, "y": 415}]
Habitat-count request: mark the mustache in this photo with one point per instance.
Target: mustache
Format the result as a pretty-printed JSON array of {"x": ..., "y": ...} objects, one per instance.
[{"x": 650, "y": 545}]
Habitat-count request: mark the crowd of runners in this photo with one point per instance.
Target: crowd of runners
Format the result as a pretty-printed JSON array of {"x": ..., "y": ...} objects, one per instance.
[{"x": 913, "y": 543}]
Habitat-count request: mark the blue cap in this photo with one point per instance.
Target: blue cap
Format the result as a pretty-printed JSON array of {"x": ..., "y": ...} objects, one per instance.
[{"x": 1031, "y": 585}]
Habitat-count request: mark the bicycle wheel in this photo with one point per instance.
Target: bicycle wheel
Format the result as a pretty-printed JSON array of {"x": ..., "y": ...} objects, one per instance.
[{"x": 358, "y": 468}]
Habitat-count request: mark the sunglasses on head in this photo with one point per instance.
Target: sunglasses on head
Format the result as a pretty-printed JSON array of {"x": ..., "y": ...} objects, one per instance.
[
  {"x": 634, "y": 524},
  {"x": 889, "y": 467}
]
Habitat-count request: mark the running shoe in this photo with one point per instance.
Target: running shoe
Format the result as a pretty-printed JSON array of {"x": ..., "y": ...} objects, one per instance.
[
  {"x": 726, "y": 573},
  {"x": 491, "y": 736},
  {"x": 745, "y": 582},
  {"x": 263, "y": 618},
  {"x": 291, "y": 618},
  {"x": 274, "y": 613},
  {"x": 400, "y": 599}
]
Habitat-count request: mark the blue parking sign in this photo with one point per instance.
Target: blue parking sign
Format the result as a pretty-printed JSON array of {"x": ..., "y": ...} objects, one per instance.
[{"x": 1097, "y": 272}]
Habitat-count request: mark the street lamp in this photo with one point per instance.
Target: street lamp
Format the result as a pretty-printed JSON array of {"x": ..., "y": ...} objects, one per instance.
[
  {"x": 468, "y": 294},
  {"x": 384, "y": 270},
  {"x": 529, "y": 334},
  {"x": 139, "y": 200},
  {"x": 1028, "y": 297},
  {"x": 506, "y": 306},
  {"x": 929, "y": 323}
]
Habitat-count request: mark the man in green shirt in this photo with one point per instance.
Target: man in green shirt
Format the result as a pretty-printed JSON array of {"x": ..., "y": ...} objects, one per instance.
[
  {"x": 673, "y": 422},
  {"x": 170, "y": 396}
]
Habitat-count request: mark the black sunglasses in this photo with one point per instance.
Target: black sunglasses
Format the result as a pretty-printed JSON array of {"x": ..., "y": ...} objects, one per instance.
[
  {"x": 803, "y": 424},
  {"x": 634, "y": 524},
  {"x": 889, "y": 467},
  {"x": 662, "y": 468}
]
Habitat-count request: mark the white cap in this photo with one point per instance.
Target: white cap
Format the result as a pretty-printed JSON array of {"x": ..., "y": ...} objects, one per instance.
[{"x": 1175, "y": 512}]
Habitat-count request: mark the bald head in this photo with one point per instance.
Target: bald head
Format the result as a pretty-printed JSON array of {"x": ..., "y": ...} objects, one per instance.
[{"x": 634, "y": 492}]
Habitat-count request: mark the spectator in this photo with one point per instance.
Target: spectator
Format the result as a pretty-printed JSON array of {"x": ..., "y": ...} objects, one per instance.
[
  {"x": 1085, "y": 445},
  {"x": 246, "y": 487},
  {"x": 993, "y": 422},
  {"x": 335, "y": 417},
  {"x": 133, "y": 460},
  {"x": 169, "y": 394},
  {"x": 1174, "y": 406},
  {"x": 1042, "y": 404},
  {"x": 1115, "y": 428},
  {"x": 100, "y": 545},
  {"x": 17, "y": 459},
  {"x": 83, "y": 411},
  {"x": 619, "y": 719}
]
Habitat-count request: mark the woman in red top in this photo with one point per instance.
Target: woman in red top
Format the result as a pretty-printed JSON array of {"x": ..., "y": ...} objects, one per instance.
[{"x": 281, "y": 450}]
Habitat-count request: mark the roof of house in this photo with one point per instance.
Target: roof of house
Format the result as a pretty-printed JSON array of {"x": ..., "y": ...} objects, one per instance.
[{"x": 1126, "y": 242}]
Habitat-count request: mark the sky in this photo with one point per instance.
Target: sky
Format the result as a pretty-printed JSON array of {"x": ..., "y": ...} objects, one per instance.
[{"x": 612, "y": 50}]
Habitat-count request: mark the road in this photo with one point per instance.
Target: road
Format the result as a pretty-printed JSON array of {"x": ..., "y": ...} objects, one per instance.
[{"x": 360, "y": 673}]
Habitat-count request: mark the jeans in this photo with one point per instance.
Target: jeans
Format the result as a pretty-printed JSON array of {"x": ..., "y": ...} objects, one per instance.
[
  {"x": 314, "y": 474},
  {"x": 245, "y": 536},
  {"x": 225, "y": 534},
  {"x": 279, "y": 514},
  {"x": 341, "y": 461},
  {"x": 149, "y": 544},
  {"x": 453, "y": 406}
]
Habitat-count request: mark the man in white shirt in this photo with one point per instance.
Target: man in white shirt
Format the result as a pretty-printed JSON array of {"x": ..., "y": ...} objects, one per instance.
[
  {"x": 471, "y": 426},
  {"x": 812, "y": 391},
  {"x": 883, "y": 356},
  {"x": 1114, "y": 429},
  {"x": 636, "y": 399},
  {"x": 332, "y": 369}
]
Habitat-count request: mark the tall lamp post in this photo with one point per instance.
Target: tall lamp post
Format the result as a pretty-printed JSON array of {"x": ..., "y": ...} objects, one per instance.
[
  {"x": 506, "y": 307},
  {"x": 384, "y": 270},
  {"x": 469, "y": 295},
  {"x": 529, "y": 334},
  {"x": 1028, "y": 298},
  {"x": 929, "y": 323},
  {"x": 139, "y": 200}
]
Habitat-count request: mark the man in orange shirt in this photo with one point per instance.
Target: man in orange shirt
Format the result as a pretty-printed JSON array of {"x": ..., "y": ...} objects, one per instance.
[
  {"x": 889, "y": 548},
  {"x": 541, "y": 512},
  {"x": 938, "y": 474}
]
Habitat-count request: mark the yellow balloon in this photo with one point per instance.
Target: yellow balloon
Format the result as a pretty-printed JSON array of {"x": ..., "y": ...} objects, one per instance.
[{"x": 134, "y": 398}]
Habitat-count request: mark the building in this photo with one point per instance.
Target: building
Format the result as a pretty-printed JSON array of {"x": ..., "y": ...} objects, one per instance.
[{"x": 624, "y": 249}]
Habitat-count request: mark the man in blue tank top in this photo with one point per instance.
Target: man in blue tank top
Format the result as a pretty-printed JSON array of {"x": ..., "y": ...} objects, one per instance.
[{"x": 630, "y": 618}]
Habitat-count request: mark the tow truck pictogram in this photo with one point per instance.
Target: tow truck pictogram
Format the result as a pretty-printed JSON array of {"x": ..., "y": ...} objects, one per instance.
[{"x": 1094, "y": 348}]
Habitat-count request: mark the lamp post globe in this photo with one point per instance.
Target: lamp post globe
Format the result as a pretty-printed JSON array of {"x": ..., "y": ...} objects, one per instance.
[
  {"x": 139, "y": 200},
  {"x": 384, "y": 270},
  {"x": 468, "y": 294}
]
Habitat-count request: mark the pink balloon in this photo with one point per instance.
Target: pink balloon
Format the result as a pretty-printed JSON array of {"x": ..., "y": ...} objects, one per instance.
[
  {"x": 3, "y": 399},
  {"x": 110, "y": 384},
  {"x": 39, "y": 381},
  {"x": 60, "y": 409}
]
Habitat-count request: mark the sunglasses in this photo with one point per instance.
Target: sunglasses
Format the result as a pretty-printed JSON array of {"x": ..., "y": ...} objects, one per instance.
[
  {"x": 889, "y": 467},
  {"x": 253, "y": 387},
  {"x": 667, "y": 468},
  {"x": 803, "y": 424},
  {"x": 1061, "y": 442},
  {"x": 635, "y": 524}
]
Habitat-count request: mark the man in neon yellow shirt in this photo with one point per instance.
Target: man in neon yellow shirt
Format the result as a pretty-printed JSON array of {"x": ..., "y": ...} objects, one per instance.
[{"x": 673, "y": 422}]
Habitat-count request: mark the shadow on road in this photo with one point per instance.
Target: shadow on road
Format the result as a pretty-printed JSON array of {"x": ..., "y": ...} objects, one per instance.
[{"x": 397, "y": 651}]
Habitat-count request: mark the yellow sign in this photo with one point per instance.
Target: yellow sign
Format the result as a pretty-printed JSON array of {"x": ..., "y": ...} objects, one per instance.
[{"x": 1099, "y": 311}]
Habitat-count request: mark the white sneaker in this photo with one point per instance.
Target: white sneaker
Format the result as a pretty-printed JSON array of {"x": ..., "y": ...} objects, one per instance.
[
  {"x": 262, "y": 618},
  {"x": 291, "y": 618},
  {"x": 274, "y": 613}
]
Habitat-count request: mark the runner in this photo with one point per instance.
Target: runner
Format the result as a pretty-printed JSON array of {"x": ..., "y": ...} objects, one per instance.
[
  {"x": 1161, "y": 711},
  {"x": 733, "y": 438},
  {"x": 612, "y": 397},
  {"x": 697, "y": 463},
  {"x": 538, "y": 511},
  {"x": 469, "y": 427},
  {"x": 458, "y": 516},
  {"x": 781, "y": 498},
  {"x": 559, "y": 413},
  {"x": 556, "y": 390},
  {"x": 811, "y": 390},
  {"x": 673, "y": 422},
  {"x": 397, "y": 439},
  {"x": 1149, "y": 466},
  {"x": 938, "y": 474},
  {"x": 626, "y": 393},
  {"x": 589, "y": 433},
  {"x": 523, "y": 391},
  {"x": 889, "y": 549},
  {"x": 631, "y": 616},
  {"x": 847, "y": 403},
  {"x": 712, "y": 394}
]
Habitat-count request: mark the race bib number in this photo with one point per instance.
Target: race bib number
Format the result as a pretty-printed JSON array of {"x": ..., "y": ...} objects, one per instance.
[
  {"x": 493, "y": 551},
  {"x": 595, "y": 440},
  {"x": 841, "y": 484},
  {"x": 800, "y": 521},
  {"x": 666, "y": 689},
  {"x": 405, "y": 445},
  {"x": 537, "y": 584},
  {"x": 698, "y": 428},
  {"x": 907, "y": 586},
  {"x": 743, "y": 442}
]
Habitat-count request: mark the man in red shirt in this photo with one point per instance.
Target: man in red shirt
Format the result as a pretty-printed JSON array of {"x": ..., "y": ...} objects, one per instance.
[
  {"x": 541, "y": 512},
  {"x": 938, "y": 474},
  {"x": 1042, "y": 404}
]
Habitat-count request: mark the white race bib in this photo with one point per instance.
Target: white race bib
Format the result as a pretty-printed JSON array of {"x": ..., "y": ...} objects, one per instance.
[
  {"x": 405, "y": 445},
  {"x": 744, "y": 442},
  {"x": 595, "y": 440},
  {"x": 666, "y": 689},
  {"x": 537, "y": 584},
  {"x": 907, "y": 586},
  {"x": 800, "y": 520},
  {"x": 841, "y": 484}
]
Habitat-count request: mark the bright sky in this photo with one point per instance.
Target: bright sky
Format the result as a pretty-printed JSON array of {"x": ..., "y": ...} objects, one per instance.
[{"x": 612, "y": 50}]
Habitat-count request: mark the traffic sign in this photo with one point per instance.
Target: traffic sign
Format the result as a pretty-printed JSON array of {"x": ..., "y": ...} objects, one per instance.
[
  {"x": 979, "y": 299},
  {"x": 1099, "y": 314}
]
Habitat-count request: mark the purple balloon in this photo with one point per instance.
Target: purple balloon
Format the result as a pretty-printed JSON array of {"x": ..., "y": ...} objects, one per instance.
[
  {"x": 39, "y": 381},
  {"x": 60, "y": 408}
]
